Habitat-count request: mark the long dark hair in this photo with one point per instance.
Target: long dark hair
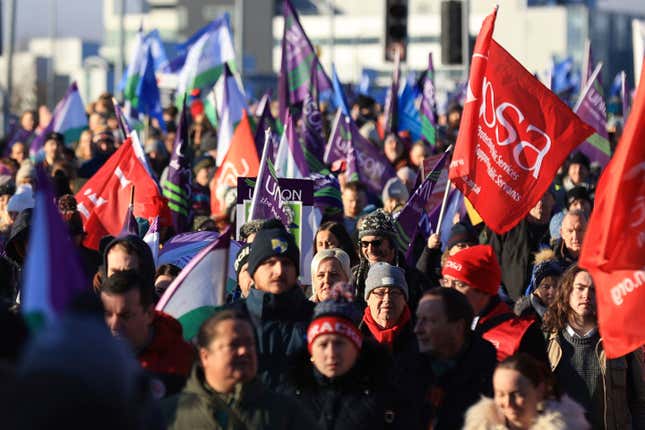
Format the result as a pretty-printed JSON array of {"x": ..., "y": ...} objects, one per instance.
[
  {"x": 557, "y": 314},
  {"x": 340, "y": 232}
]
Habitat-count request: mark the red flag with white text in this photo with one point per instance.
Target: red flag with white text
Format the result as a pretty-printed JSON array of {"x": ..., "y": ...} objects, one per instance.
[
  {"x": 514, "y": 135},
  {"x": 103, "y": 201},
  {"x": 614, "y": 245},
  {"x": 240, "y": 160}
]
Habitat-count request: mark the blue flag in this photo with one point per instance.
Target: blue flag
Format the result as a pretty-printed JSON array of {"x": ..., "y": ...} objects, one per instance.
[
  {"x": 147, "y": 92},
  {"x": 339, "y": 95}
]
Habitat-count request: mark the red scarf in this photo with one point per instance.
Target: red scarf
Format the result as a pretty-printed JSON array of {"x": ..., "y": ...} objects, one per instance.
[{"x": 386, "y": 336}]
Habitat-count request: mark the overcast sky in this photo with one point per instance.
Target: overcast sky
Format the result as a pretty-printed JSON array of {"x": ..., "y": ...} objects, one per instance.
[{"x": 76, "y": 18}]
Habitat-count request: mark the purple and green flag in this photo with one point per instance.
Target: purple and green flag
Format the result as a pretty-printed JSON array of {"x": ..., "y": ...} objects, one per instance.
[
  {"x": 591, "y": 108},
  {"x": 429, "y": 105},
  {"x": 267, "y": 200},
  {"x": 69, "y": 119},
  {"x": 53, "y": 273},
  {"x": 177, "y": 187},
  {"x": 290, "y": 161},
  {"x": 311, "y": 130},
  {"x": 408, "y": 219},
  {"x": 200, "y": 287},
  {"x": 297, "y": 63}
]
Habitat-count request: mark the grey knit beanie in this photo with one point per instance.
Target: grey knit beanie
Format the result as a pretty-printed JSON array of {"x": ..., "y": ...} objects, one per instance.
[{"x": 385, "y": 275}]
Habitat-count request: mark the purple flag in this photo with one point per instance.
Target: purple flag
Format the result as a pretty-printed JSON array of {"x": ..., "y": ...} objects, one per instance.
[
  {"x": 53, "y": 273},
  {"x": 124, "y": 125},
  {"x": 312, "y": 126},
  {"x": 265, "y": 121},
  {"x": 390, "y": 110},
  {"x": 297, "y": 63},
  {"x": 408, "y": 219},
  {"x": 130, "y": 225},
  {"x": 371, "y": 166},
  {"x": 177, "y": 187},
  {"x": 339, "y": 138},
  {"x": 429, "y": 105},
  {"x": 591, "y": 108},
  {"x": 267, "y": 198}
]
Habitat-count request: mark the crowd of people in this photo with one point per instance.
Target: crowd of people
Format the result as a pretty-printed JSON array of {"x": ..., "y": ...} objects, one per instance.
[{"x": 481, "y": 331}]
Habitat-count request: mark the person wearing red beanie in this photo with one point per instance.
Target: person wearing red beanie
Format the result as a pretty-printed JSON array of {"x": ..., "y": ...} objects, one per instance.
[{"x": 475, "y": 272}]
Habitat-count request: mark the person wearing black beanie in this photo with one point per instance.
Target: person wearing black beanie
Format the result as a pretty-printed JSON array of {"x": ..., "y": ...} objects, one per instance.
[{"x": 276, "y": 304}]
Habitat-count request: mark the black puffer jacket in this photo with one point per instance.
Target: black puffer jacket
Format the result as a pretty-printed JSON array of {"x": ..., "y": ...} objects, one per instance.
[
  {"x": 407, "y": 365},
  {"x": 360, "y": 399},
  {"x": 454, "y": 386},
  {"x": 280, "y": 322}
]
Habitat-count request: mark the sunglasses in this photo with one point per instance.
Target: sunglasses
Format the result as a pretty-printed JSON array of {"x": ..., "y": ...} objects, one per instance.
[{"x": 375, "y": 243}]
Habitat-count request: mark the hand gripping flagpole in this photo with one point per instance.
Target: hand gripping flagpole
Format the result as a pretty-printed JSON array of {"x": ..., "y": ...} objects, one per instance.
[{"x": 445, "y": 199}]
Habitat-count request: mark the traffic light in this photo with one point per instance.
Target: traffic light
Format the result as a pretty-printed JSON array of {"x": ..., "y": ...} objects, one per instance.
[
  {"x": 396, "y": 29},
  {"x": 451, "y": 36}
]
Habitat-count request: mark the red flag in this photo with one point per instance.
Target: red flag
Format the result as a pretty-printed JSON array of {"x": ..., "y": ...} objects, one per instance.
[
  {"x": 614, "y": 247},
  {"x": 103, "y": 201},
  {"x": 513, "y": 137},
  {"x": 240, "y": 160}
]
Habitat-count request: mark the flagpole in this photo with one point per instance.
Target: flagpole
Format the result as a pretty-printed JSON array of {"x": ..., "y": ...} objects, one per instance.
[
  {"x": 444, "y": 201},
  {"x": 132, "y": 199}
]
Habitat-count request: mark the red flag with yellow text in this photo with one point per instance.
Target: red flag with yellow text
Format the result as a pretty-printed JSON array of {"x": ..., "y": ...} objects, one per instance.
[
  {"x": 614, "y": 245},
  {"x": 240, "y": 160},
  {"x": 103, "y": 201},
  {"x": 514, "y": 135}
]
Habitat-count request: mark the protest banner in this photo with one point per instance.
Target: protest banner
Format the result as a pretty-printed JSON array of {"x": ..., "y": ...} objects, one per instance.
[{"x": 298, "y": 198}]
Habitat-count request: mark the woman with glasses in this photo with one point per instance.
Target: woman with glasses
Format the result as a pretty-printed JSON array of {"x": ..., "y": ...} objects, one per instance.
[
  {"x": 541, "y": 290},
  {"x": 388, "y": 320}
]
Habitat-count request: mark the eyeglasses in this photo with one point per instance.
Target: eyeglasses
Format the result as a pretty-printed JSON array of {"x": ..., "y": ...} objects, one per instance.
[
  {"x": 375, "y": 243},
  {"x": 391, "y": 292},
  {"x": 452, "y": 283}
]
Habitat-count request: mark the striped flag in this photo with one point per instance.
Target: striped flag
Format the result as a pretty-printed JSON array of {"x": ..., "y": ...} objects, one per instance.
[
  {"x": 229, "y": 105},
  {"x": 205, "y": 57},
  {"x": 53, "y": 272},
  {"x": 297, "y": 63},
  {"x": 177, "y": 186},
  {"x": 199, "y": 288},
  {"x": 69, "y": 119},
  {"x": 290, "y": 161}
]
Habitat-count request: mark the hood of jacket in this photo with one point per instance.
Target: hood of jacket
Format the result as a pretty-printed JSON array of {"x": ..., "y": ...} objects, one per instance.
[
  {"x": 560, "y": 414},
  {"x": 144, "y": 254}
]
